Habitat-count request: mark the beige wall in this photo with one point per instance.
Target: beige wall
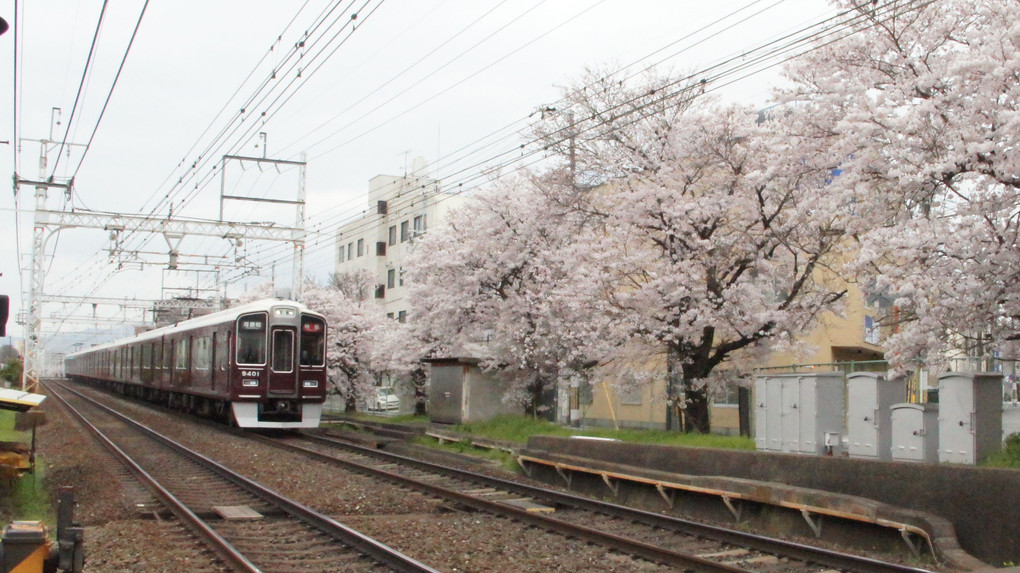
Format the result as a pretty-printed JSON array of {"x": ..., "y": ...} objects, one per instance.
[{"x": 836, "y": 338}]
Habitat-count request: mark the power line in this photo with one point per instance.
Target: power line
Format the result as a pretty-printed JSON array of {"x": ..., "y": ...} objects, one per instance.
[
  {"x": 81, "y": 86},
  {"x": 192, "y": 173},
  {"x": 109, "y": 95},
  {"x": 782, "y": 47},
  {"x": 533, "y": 155}
]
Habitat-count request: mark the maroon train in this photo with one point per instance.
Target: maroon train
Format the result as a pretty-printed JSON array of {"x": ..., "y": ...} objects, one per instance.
[{"x": 260, "y": 365}]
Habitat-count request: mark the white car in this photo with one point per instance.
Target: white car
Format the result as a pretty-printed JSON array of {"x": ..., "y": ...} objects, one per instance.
[{"x": 384, "y": 399}]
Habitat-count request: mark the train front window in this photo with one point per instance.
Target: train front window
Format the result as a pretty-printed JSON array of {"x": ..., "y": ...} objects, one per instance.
[
  {"x": 283, "y": 351},
  {"x": 251, "y": 339},
  {"x": 313, "y": 341}
]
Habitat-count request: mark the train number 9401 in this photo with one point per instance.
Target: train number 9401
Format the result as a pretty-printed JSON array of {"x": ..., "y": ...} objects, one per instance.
[{"x": 252, "y": 373}]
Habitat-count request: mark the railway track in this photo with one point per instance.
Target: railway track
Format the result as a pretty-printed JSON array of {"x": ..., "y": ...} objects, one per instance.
[
  {"x": 675, "y": 543},
  {"x": 668, "y": 540},
  {"x": 246, "y": 526}
]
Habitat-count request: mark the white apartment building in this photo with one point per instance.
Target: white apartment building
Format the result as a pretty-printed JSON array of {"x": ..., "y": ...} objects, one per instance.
[{"x": 400, "y": 209}]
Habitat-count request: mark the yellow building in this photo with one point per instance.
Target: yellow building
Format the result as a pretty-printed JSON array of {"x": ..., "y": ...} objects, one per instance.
[{"x": 849, "y": 341}]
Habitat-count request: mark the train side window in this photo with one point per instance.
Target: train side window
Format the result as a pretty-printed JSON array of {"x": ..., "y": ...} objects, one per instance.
[
  {"x": 283, "y": 351},
  {"x": 313, "y": 341},
  {"x": 251, "y": 339},
  {"x": 201, "y": 354},
  {"x": 146, "y": 358},
  {"x": 168, "y": 349},
  {"x": 181, "y": 361},
  {"x": 222, "y": 341}
]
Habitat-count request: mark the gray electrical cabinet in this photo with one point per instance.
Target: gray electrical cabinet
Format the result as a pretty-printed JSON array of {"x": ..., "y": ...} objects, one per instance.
[
  {"x": 915, "y": 433},
  {"x": 970, "y": 416},
  {"x": 870, "y": 396},
  {"x": 460, "y": 392},
  {"x": 799, "y": 413}
]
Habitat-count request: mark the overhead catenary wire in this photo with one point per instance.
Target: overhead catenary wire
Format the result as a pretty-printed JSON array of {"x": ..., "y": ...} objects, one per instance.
[
  {"x": 712, "y": 74},
  {"x": 226, "y": 104},
  {"x": 205, "y": 159},
  {"x": 470, "y": 181},
  {"x": 513, "y": 134},
  {"x": 81, "y": 86},
  {"x": 356, "y": 230},
  {"x": 109, "y": 95}
]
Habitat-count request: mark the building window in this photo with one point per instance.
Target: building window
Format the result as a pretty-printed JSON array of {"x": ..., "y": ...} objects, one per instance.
[
  {"x": 391, "y": 278},
  {"x": 350, "y": 251},
  {"x": 340, "y": 257},
  {"x": 380, "y": 291},
  {"x": 361, "y": 247},
  {"x": 402, "y": 316},
  {"x": 380, "y": 208},
  {"x": 630, "y": 396},
  {"x": 389, "y": 315},
  {"x": 380, "y": 249},
  {"x": 393, "y": 235},
  {"x": 405, "y": 232},
  {"x": 725, "y": 394},
  {"x": 401, "y": 276},
  {"x": 419, "y": 225}
]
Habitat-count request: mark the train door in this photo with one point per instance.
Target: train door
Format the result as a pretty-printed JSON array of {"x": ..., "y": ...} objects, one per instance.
[{"x": 282, "y": 374}]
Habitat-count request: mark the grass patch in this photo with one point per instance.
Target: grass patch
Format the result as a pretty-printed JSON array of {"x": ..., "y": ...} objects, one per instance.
[
  {"x": 1009, "y": 457},
  {"x": 32, "y": 499},
  {"x": 503, "y": 458},
  {"x": 517, "y": 429},
  {"x": 26, "y": 498}
]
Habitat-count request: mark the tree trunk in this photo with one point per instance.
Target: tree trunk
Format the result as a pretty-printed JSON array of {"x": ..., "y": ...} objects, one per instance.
[
  {"x": 674, "y": 382},
  {"x": 696, "y": 418},
  {"x": 535, "y": 405},
  {"x": 696, "y": 412},
  {"x": 419, "y": 380},
  {"x": 686, "y": 394}
]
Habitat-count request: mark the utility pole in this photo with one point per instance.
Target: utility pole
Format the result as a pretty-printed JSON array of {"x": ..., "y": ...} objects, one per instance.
[{"x": 33, "y": 348}]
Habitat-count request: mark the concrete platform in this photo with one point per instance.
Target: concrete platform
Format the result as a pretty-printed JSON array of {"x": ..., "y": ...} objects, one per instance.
[{"x": 970, "y": 513}]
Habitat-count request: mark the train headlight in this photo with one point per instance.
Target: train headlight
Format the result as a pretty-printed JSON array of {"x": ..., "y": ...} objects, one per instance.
[
  {"x": 249, "y": 382},
  {"x": 310, "y": 383}
]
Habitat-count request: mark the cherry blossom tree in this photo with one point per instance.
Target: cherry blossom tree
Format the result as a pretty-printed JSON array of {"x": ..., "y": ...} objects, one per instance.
[
  {"x": 399, "y": 350},
  {"x": 500, "y": 273},
  {"x": 716, "y": 237},
  {"x": 353, "y": 323},
  {"x": 917, "y": 112}
]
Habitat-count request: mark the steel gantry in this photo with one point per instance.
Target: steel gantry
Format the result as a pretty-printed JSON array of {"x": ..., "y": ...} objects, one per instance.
[{"x": 48, "y": 222}]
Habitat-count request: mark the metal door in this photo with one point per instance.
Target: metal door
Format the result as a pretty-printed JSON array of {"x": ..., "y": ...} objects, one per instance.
[
  {"x": 282, "y": 373},
  {"x": 791, "y": 416},
  {"x": 908, "y": 433},
  {"x": 774, "y": 413},
  {"x": 761, "y": 415}
]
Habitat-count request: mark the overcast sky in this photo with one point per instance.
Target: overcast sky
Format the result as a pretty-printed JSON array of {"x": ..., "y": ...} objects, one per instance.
[{"x": 438, "y": 79}]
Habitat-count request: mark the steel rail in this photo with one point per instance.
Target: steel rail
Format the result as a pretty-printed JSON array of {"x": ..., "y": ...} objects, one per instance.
[
  {"x": 223, "y": 548},
  {"x": 602, "y": 538},
  {"x": 362, "y": 543},
  {"x": 770, "y": 545}
]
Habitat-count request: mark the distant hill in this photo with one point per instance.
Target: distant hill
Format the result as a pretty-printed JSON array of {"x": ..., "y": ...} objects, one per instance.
[{"x": 68, "y": 342}]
